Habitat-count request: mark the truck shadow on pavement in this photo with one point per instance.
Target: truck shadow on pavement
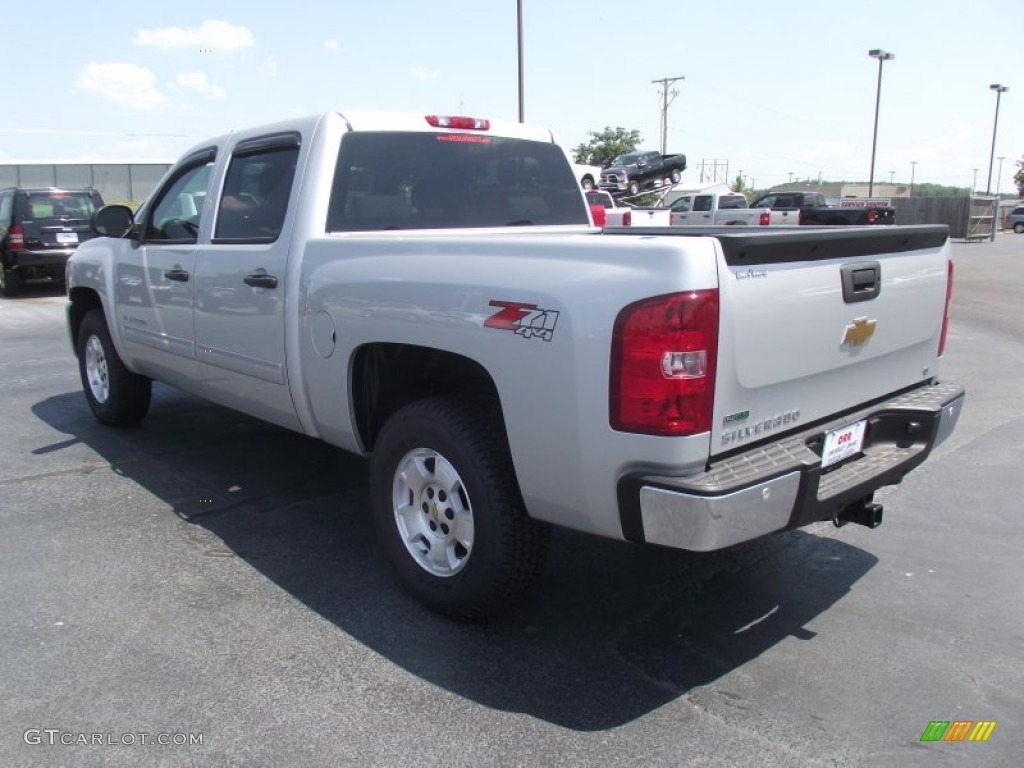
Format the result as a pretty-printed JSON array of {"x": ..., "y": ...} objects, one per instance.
[{"x": 611, "y": 632}]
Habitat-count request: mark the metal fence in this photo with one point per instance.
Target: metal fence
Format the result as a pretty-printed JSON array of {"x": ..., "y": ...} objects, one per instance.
[{"x": 115, "y": 181}]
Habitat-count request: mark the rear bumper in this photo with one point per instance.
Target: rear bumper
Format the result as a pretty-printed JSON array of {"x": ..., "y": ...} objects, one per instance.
[
  {"x": 48, "y": 263},
  {"x": 781, "y": 485}
]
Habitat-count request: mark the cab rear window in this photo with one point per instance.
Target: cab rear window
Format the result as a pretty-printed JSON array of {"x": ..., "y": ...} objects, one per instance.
[{"x": 439, "y": 181}]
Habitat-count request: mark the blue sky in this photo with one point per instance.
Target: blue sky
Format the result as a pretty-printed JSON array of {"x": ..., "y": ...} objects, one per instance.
[{"x": 772, "y": 88}]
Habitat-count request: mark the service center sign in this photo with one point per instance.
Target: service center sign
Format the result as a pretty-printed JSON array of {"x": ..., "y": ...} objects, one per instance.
[{"x": 865, "y": 202}]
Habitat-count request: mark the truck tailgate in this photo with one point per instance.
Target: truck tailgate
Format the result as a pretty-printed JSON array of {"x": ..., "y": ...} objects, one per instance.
[{"x": 816, "y": 322}]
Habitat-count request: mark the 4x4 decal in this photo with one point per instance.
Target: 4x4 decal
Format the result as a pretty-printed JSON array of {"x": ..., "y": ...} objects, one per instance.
[{"x": 525, "y": 320}]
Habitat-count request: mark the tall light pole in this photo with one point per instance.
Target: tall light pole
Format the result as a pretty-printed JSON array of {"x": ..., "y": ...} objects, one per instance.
[
  {"x": 1000, "y": 90},
  {"x": 877, "y": 53},
  {"x": 892, "y": 174},
  {"x": 995, "y": 202},
  {"x": 913, "y": 167},
  {"x": 519, "y": 37},
  {"x": 974, "y": 184}
]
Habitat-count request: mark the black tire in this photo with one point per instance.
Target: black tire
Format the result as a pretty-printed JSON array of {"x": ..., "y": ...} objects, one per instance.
[
  {"x": 1019, "y": 228},
  {"x": 587, "y": 183},
  {"x": 506, "y": 547},
  {"x": 10, "y": 282},
  {"x": 116, "y": 395},
  {"x": 633, "y": 188},
  {"x": 676, "y": 176}
]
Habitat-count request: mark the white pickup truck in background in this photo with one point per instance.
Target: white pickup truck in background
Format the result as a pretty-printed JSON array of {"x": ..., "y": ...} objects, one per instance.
[
  {"x": 688, "y": 206},
  {"x": 722, "y": 208},
  {"x": 429, "y": 291},
  {"x": 588, "y": 175}
]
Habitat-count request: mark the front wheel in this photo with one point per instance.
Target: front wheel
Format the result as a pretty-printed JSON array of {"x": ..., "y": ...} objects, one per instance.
[
  {"x": 115, "y": 394},
  {"x": 634, "y": 188},
  {"x": 447, "y": 508},
  {"x": 676, "y": 175},
  {"x": 1019, "y": 227}
]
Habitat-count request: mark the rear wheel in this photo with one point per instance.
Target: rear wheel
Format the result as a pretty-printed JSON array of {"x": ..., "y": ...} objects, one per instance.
[
  {"x": 588, "y": 183},
  {"x": 10, "y": 282},
  {"x": 448, "y": 511},
  {"x": 676, "y": 175},
  {"x": 115, "y": 394},
  {"x": 1019, "y": 227}
]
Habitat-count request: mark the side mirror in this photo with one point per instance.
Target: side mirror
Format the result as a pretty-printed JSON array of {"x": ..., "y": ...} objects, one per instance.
[{"x": 113, "y": 220}]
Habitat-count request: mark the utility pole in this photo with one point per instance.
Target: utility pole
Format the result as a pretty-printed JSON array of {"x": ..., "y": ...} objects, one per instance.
[
  {"x": 519, "y": 45},
  {"x": 665, "y": 101}
]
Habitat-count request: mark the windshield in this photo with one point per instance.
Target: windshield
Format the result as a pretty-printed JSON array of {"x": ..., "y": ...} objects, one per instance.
[
  {"x": 629, "y": 159},
  {"x": 441, "y": 181}
]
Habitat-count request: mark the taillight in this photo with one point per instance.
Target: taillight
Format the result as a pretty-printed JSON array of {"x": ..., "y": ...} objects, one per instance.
[
  {"x": 872, "y": 216},
  {"x": 945, "y": 312},
  {"x": 627, "y": 218},
  {"x": 16, "y": 236},
  {"x": 459, "y": 122},
  {"x": 664, "y": 352},
  {"x": 765, "y": 219},
  {"x": 597, "y": 213}
]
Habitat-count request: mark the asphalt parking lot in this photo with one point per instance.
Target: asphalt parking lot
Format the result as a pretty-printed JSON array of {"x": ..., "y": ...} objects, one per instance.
[{"x": 205, "y": 589}]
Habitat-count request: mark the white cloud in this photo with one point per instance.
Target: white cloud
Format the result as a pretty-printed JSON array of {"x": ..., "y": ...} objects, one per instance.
[
  {"x": 423, "y": 74},
  {"x": 211, "y": 35},
  {"x": 129, "y": 86},
  {"x": 331, "y": 45},
  {"x": 196, "y": 81}
]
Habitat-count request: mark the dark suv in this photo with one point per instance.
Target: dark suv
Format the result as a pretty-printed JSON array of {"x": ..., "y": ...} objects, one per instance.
[{"x": 39, "y": 230}]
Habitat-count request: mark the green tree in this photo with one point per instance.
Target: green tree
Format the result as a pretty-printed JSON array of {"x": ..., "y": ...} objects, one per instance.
[
  {"x": 606, "y": 145},
  {"x": 1018, "y": 177}
]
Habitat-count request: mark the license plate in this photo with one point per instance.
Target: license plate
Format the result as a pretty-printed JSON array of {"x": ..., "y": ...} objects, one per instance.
[
  {"x": 67, "y": 238},
  {"x": 843, "y": 443}
]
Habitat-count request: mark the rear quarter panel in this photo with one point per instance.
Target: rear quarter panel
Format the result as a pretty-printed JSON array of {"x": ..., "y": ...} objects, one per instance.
[{"x": 437, "y": 292}]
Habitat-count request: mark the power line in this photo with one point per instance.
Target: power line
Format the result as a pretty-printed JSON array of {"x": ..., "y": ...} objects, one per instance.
[{"x": 665, "y": 101}]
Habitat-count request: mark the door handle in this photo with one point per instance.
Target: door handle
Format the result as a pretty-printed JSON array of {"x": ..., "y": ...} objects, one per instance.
[
  {"x": 178, "y": 274},
  {"x": 260, "y": 280},
  {"x": 861, "y": 281}
]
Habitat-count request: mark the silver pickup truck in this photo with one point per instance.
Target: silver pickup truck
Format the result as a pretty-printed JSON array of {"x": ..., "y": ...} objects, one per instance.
[{"x": 431, "y": 291}]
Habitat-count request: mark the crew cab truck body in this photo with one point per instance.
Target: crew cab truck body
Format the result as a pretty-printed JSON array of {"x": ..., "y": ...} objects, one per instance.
[
  {"x": 729, "y": 209},
  {"x": 813, "y": 209},
  {"x": 635, "y": 171},
  {"x": 430, "y": 291}
]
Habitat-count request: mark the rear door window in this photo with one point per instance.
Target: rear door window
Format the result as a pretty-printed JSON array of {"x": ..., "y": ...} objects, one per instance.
[
  {"x": 441, "y": 181},
  {"x": 256, "y": 192}
]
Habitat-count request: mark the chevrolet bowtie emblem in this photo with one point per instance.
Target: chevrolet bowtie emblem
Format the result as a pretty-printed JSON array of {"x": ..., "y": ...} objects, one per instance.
[{"x": 858, "y": 332}]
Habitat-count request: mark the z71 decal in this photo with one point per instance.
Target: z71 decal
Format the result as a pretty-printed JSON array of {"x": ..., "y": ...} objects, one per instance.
[{"x": 524, "y": 320}]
